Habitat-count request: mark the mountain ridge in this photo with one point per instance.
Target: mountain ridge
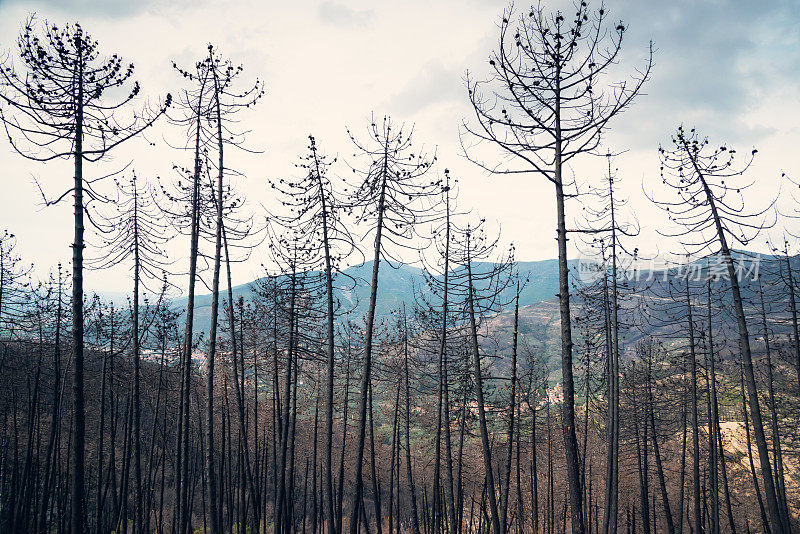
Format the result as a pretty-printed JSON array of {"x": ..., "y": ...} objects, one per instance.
[{"x": 396, "y": 286}]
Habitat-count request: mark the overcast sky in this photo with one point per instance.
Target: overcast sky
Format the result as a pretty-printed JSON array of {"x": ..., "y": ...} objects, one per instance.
[{"x": 731, "y": 68}]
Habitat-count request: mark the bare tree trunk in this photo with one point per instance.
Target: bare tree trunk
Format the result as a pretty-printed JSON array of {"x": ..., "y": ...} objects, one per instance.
[
  {"x": 367, "y": 364},
  {"x": 216, "y": 526},
  {"x": 611, "y": 511},
  {"x": 682, "y": 475},
  {"x": 777, "y": 453},
  {"x": 750, "y": 380},
  {"x": 568, "y": 405},
  {"x": 50, "y": 467},
  {"x": 476, "y": 362},
  {"x": 375, "y": 482},
  {"x": 77, "y": 488},
  {"x": 550, "y": 482},
  {"x": 249, "y": 478},
  {"x": 152, "y": 463},
  {"x": 314, "y": 511},
  {"x": 460, "y": 462},
  {"x": 764, "y": 519},
  {"x": 717, "y": 444},
  {"x": 182, "y": 479},
  {"x": 659, "y": 468},
  {"x": 520, "y": 503},
  {"x": 328, "y": 494},
  {"x": 340, "y": 484},
  {"x": 281, "y": 494},
  {"x": 712, "y": 467},
  {"x": 695, "y": 425},
  {"x": 409, "y": 472},
  {"x": 137, "y": 443},
  {"x": 437, "y": 455},
  {"x": 642, "y": 464},
  {"x": 450, "y": 495},
  {"x": 534, "y": 475},
  {"x": 393, "y": 462},
  {"x": 507, "y": 471}
]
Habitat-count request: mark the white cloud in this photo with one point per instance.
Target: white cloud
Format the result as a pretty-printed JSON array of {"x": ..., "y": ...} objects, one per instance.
[{"x": 331, "y": 12}]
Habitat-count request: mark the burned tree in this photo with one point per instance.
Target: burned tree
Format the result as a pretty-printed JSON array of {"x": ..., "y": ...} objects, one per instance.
[
  {"x": 546, "y": 103},
  {"x": 477, "y": 287},
  {"x": 605, "y": 230},
  {"x": 135, "y": 233},
  {"x": 439, "y": 317},
  {"x": 316, "y": 212},
  {"x": 393, "y": 198},
  {"x": 199, "y": 205},
  {"x": 710, "y": 213},
  {"x": 225, "y": 102},
  {"x": 56, "y": 108}
]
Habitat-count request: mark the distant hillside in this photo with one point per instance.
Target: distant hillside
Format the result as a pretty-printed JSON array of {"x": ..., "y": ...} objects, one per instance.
[
  {"x": 539, "y": 317},
  {"x": 395, "y": 287},
  {"x": 539, "y": 321}
]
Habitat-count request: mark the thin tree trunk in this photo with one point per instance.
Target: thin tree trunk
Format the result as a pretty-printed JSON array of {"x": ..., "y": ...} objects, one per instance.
[
  {"x": 507, "y": 471},
  {"x": 747, "y": 360},
  {"x": 487, "y": 455},
  {"x": 77, "y": 488},
  {"x": 216, "y": 526},
  {"x": 393, "y": 462},
  {"x": 777, "y": 453},
  {"x": 137, "y": 443},
  {"x": 182, "y": 489},
  {"x": 568, "y": 381},
  {"x": 642, "y": 464},
  {"x": 717, "y": 444},
  {"x": 249, "y": 478},
  {"x": 49, "y": 469},
  {"x": 682, "y": 474},
  {"x": 764, "y": 519},
  {"x": 375, "y": 482},
  {"x": 409, "y": 474},
  {"x": 367, "y": 364},
  {"x": 346, "y": 404},
  {"x": 695, "y": 425},
  {"x": 659, "y": 468}
]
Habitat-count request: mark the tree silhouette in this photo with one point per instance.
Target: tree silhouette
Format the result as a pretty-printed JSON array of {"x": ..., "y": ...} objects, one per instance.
[
  {"x": 55, "y": 109},
  {"x": 317, "y": 212},
  {"x": 394, "y": 199},
  {"x": 544, "y": 105},
  {"x": 13, "y": 282},
  {"x": 709, "y": 214},
  {"x": 608, "y": 229},
  {"x": 135, "y": 233}
]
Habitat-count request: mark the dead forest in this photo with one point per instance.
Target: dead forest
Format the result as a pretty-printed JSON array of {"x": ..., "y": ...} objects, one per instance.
[{"x": 636, "y": 396}]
